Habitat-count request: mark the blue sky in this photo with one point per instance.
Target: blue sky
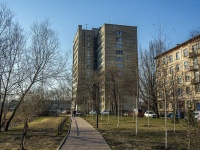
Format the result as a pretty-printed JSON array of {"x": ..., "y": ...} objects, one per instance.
[{"x": 178, "y": 16}]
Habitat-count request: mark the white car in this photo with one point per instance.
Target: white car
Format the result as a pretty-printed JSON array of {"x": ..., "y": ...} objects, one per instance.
[
  {"x": 92, "y": 112},
  {"x": 104, "y": 112},
  {"x": 150, "y": 114}
]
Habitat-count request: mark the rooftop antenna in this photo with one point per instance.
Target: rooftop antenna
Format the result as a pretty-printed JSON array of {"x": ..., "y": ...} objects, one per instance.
[{"x": 86, "y": 26}]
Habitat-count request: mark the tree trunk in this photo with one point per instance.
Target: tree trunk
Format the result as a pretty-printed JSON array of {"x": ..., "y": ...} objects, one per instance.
[
  {"x": 15, "y": 110},
  {"x": 23, "y": 139},
  {"x": 11, "y": 117}
]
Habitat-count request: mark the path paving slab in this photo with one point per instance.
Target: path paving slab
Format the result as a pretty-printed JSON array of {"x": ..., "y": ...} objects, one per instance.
[{"x": 83, "y": 136}]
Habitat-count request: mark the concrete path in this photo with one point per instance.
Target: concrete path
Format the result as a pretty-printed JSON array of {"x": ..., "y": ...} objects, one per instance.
[{"x": 83, "y": 136}]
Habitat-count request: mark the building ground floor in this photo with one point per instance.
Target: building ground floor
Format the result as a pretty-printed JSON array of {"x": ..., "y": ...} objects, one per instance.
[
  {"x": 180, "y": 106},
  {"x": 125, "y": 103}
]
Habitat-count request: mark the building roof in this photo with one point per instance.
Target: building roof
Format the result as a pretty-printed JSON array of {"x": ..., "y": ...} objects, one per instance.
[{"x": 178, "y": 46}]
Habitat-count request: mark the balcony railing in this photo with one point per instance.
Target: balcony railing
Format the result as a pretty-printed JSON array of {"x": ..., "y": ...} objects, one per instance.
[
  {"x": 193, "y": 54},
  {"x": 194, "y": 68},
  {"x": 195, "y": 81}
]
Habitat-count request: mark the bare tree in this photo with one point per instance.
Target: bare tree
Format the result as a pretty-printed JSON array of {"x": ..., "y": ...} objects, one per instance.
[
  {"x": 194, "y": 32},
  {"x": 147, "y": 65},
  {"x": 11, "y": 47},
  {"x": 39, "y": 62},
  {"x": 113, "y": 84},
  {"x": 27, "y": 110}
]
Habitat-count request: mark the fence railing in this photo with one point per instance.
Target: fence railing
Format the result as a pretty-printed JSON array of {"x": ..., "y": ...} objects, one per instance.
[{"x": 61, "y": 125}]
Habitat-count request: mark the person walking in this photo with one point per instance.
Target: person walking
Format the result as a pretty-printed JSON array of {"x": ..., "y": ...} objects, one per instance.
[{"x": 74, "y": 113}]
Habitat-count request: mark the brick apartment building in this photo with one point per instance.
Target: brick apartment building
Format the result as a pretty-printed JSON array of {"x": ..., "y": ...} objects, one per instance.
[
  {"x": 178, "y": 77},
  {"x": 96, "y": 51}
]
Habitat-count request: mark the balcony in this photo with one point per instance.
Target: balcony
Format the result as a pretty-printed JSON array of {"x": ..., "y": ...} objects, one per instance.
[
  {"x": 193, "y": 54},
  {"x": 193, "y": 68},
  {"x": 195, "y": 81}
]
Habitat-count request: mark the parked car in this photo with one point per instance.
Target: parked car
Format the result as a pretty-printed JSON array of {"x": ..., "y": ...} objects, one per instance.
[
  {"x": 150, "y": 114},
  {"x": 171, "y": 115},
  {"x": 104, "y": 112},
  {"x": 92, "y": 112},
  {"x": 139, "y": 113},
  {"x": 79, "y": 113},
  {"x": 197, "y": 115}
]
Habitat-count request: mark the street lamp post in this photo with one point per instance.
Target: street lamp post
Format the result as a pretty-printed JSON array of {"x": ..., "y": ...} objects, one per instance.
[{"x": 97, "y": 103}]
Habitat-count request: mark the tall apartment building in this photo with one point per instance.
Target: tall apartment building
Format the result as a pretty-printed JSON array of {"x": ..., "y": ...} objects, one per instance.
[
  {"x": 178, "y": 77},
  {"x": 96, "y": 51}
]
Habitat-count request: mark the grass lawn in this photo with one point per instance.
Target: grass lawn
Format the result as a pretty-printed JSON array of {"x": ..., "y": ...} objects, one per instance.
[
  {"x": 42, "y": 135},
  {"x": 148, "y": 138}
]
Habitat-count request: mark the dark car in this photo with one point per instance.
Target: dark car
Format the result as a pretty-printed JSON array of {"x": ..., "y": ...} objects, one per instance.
[{"x": 140, "y": 112}]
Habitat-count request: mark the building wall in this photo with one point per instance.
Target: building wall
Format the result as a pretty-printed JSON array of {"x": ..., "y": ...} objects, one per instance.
[
  {"x": 119, "y": 50},
  {"x": 83, "y": 63},
  {"x": 110, "y": 46},
  {"x": 180, "y": 84}
]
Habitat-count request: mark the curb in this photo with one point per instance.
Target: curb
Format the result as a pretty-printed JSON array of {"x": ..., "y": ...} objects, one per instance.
[{"x": 61, "y": 144}]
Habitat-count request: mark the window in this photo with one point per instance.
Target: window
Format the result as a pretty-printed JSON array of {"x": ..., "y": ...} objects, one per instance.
[
  {"x": 88, "y": 48},
  {"x": 88, "y": 54},
  {"x": 193, "y": 48},
  {"x": 119, "y": 33},
  {"x": 160, "y": 105},
  {"x": 197, "y": 88},
  {"x": 119, "y": 39},
  {"x": 170, "y": 58},
  {"x": 88, "y": 73},
  {"x": 119, "y": 45},
  {"x": 164, "y": 61},
  {"x": 196, "y": 76},
  {"x": 172, "y": 81},
  {"x": 187, "y": 90},
  {"x": 179, "y": 92},
  {"x": 88, "y": 60},
  {"x": 187, "y": 77},
  {"x": 119, "y": 52},
  {"x": 177, "y": 55},
  {"x": 120, "y": 65},
  {"x": 88, "y": 66},
  {"x": 165, "y": 72},
  {"x": 198, "y": 44},
  {"x": 195, "y": 61},
  {"x": 185, "y": 52},
  {"x": 88, "y": 43},
  {"x": 88, "y": 37},
  {"x": 179, "y": 79},
  {"x": 120, "y": 72},
  {"x": 186, "y": 65},
  {"x": 171, "y": 70},
  {"x": 160, "y": 94},
  {"x": 159, "y": 74},
  {"x": 178, "y": 67},
  {"x": 158, "y": 63},
  {"x": 119, "y": 58}
]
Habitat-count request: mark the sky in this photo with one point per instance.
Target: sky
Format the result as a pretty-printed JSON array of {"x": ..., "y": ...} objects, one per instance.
[{"x": 176, "y": 17}]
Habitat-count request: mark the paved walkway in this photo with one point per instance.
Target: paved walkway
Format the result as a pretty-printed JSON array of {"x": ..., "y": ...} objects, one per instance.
[{"x": 83, "y": 137}]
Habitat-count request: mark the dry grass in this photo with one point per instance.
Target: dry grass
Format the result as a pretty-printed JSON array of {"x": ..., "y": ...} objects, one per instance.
[
  {"x": 148, "y": 138},
  {"x": 42, "y": 135}
]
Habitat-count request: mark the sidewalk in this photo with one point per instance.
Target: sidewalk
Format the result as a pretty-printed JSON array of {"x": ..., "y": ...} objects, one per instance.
[{"x": 83, "y": 137}]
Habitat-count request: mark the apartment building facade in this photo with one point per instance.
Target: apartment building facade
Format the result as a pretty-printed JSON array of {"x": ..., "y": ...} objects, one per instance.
[
  {"x": 177, "y": 77},
  {"x": 96, "y": 51}
]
